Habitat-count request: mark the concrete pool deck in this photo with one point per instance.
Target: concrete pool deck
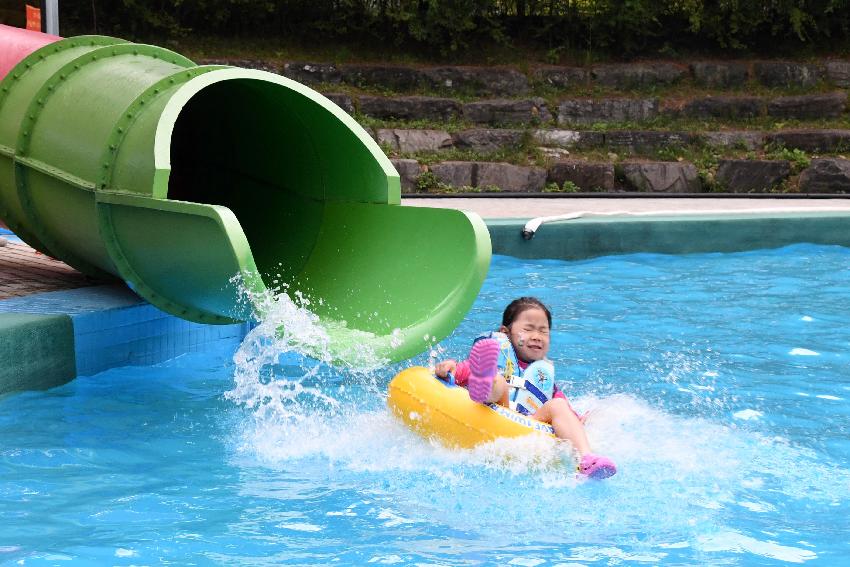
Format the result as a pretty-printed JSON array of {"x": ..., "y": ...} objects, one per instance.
[
  {"x": 531, "y": 207},
  {"x": 668, "y": 225},
  {"x": 56, "y": 323}
]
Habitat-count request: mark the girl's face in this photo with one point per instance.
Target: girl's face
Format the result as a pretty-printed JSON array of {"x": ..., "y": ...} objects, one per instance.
[{"x": 529, "y": 334}]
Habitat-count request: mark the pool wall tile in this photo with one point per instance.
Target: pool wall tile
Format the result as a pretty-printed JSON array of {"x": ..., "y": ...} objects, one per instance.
[
  {"x": 36, "y": 351},
  {"x": 107, "y": 327},
  {"x": 143, "y": 335}
]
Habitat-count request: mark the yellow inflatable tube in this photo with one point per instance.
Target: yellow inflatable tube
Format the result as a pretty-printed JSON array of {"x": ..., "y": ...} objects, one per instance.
[{"x": 433, "y": 408}]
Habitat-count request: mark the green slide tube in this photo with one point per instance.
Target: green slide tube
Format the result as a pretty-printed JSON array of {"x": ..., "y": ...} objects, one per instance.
[{"x": 195, "y": 183}]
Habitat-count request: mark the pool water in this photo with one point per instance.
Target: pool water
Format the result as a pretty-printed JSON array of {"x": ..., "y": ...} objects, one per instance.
[{"x": 719, "y": 383}]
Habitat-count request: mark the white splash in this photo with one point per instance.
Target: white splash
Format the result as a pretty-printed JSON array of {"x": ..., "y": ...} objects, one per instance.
[
  {"x": 747, "y": 414},
  {"x": 282, "y": 367},
  {"x": 300, "y": 527},
  {"x": 739, "y": 543},
  {"x": 803, "y": 352}
]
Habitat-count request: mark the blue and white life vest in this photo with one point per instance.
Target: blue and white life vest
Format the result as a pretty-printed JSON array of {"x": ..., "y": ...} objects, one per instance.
[{"x": 530, "y": 389}]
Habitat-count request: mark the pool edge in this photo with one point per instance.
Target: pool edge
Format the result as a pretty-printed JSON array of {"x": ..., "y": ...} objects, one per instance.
[
  {"x": 52, "y": 337},
  {"x": 594, "y": 236}
]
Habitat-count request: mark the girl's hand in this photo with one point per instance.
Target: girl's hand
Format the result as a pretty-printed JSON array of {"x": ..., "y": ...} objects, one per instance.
[{"x": 443, "y": 368}]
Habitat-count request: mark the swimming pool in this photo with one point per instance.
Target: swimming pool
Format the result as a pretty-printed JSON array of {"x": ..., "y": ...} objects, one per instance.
[{"x": 718, "y": 382}]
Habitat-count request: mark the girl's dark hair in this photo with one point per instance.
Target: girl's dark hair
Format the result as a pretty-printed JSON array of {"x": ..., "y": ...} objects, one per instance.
[{"x": 521, "y": 304}]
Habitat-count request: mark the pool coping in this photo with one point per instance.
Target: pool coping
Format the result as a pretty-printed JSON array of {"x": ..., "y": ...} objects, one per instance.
[
  {"x": 53, "y": 337},
  {"x": 591, "y": 236}
]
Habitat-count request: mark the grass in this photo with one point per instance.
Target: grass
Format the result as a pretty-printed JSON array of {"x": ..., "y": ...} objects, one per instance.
[
  {"x": 664, "y": 123},
  {"x": 526, "y": 153},
  {"x": 450, "y": 126},
  {"x": 524, "y": 60}
]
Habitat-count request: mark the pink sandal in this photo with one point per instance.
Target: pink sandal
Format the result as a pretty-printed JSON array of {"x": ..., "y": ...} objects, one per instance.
[
  {"x": 596, "y": 467},
  {"x": 483, "y": 366}
]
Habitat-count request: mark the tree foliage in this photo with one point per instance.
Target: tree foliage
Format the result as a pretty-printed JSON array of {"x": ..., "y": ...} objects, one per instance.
[{"x": 615, "y": 27}]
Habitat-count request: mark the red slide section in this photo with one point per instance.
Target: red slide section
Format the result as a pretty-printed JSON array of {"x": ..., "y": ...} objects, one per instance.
[{"x": 17, "y": 43}]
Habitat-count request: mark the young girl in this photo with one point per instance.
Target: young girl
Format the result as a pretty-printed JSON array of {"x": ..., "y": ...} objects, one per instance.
[{"x": 511, "y": 366}]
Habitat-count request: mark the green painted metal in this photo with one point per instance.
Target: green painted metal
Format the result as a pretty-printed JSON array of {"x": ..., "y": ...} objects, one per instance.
[
  {"x": 37, "y": 351},
  {"x": 130, "y": 160}
]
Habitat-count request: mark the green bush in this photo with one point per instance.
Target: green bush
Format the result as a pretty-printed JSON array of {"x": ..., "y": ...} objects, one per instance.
[
  {"x": 427, "y": 182},
  {"x": 446, "y": 27}
]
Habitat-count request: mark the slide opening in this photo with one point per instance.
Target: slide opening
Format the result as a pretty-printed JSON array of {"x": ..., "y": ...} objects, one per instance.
[
  {"x": 240, "y": 144},
  {"x": 274, "y": 156}
]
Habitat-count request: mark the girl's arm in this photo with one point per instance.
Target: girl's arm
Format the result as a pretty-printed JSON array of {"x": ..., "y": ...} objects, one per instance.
[{"x": 460, "y": 370}]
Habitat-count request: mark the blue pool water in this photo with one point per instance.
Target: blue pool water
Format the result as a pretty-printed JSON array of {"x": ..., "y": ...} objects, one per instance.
[{"x": 718, "y": 382}]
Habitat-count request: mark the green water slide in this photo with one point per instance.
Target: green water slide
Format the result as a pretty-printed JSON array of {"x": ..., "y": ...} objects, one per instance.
[{"x": 130, "y": 161}]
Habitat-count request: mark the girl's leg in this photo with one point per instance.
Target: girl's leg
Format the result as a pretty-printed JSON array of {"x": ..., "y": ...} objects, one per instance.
[
  {"x": 499, "y": 393},
  {"x": 567, "y": 425},
  {"x": 560, "y": 416}
]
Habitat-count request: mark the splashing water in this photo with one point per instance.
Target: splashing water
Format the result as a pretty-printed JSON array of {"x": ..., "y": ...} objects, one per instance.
[
  {"x": 695, "y": 454},
  {"x": 283, "y": 372}
]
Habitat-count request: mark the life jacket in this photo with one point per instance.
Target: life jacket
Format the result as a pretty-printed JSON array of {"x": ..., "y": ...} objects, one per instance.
[{"x": 529, "y": 389}]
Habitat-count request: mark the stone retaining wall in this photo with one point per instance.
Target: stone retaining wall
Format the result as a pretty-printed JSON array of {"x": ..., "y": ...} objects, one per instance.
[
  {"x": 486, "y": 140},
  {"x": 508, "y": 81},
  {"x": 499, "y": 105},
  {"x": 826, "y": 175},
  {"x": 587, "y": 111}
]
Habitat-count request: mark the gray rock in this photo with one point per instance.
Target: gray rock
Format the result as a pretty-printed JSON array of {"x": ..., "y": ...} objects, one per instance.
[
  {"x": 392, "y": 77},
  {"x": 838, "y": 72},
  {"x": 503, "y": 176},
  {"x": 662, "y": 177},
  {"x": 258, "y": 64},
  {"x": 569, "y": 138},
  {"x": 826, "y": 175},
  {"x": 561, "y": 77},
  {"x": 639, "y": 141},
  {"x": 592, "y": 111},
  {"x": 588, "y": 176},
  {"x": 496, "y": 112},
  {"x": 410, "y": 107},
  {"x": 402, "y": 140},
  {"x": 343, "y": 101},
  {"x": 811, "y": 140},
  {"x": 455, "y": 173},
  {"x": 751, "y": 176},
  {"x": 312, "y": 73},
  {"x": 724, "y": 107},
  {"x": 409, "y": 171},
  {"x": 637, "y": 74},
  {"x": 553, "y": 154},
  {"x": 787, "y": 74},
  {"x": 487, "y": 140},
  {"x": 830, "y": 105},
  {"x": 721, "y": 75},
  {"x": 478, "y": 80},
  {"x": 742, "y": 139},
  {"x": 512, "y": 178}
]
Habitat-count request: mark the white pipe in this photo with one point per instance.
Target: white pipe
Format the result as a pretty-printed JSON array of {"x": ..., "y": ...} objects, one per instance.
[
  {"x": 534, "y": 224},
  {"x": 51, "y": 20}
]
